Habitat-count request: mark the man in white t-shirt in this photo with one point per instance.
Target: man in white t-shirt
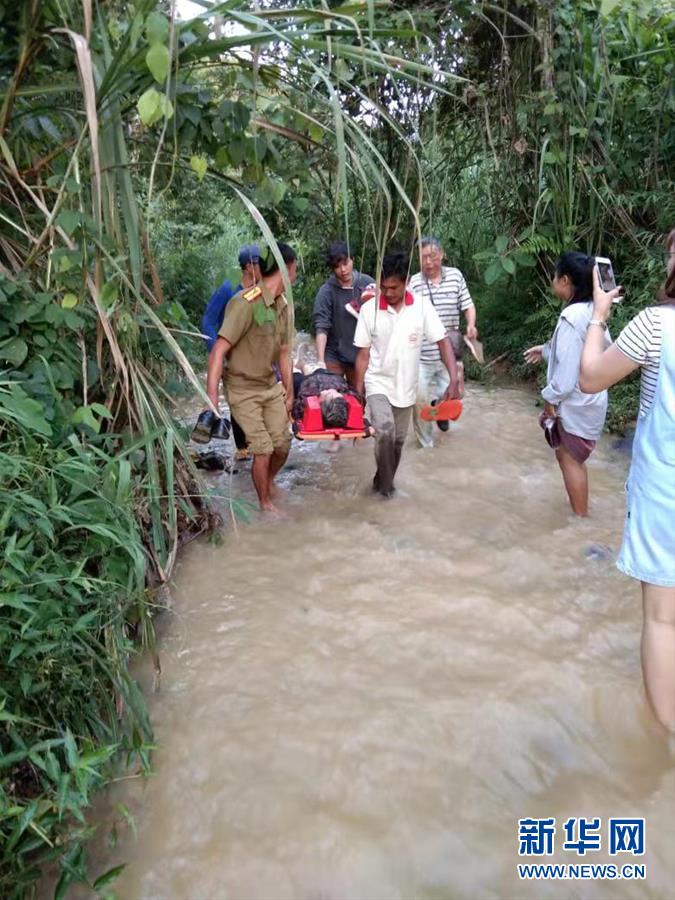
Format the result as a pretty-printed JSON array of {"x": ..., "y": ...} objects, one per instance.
[
  {"x": 389, "y": 336},
  {"x": 446, "y": 289}
]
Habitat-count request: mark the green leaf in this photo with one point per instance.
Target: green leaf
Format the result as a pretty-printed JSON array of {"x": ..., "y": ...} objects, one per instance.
[
  {"x": 68, "y": 219},
  {"x": 62, "y": 793},
  {"x": 158, "y": 60},
  {"x": 153, "y": 106},
  {"x": 199, "y": 165},
  {"x": 16, "y": 601},
  {"x": 508, "y": 265},
  {"x": 493, "y": 272},
  {"x": 69, "y": 301},
  {"x": 108, "y": 876},
  {"x": 263, "y": 314},
  {"x": 101, "y": 410},
  {"x": 24, "y": 410},
  {"x": 524, "y": 259},
  {"x": 71, "y": 749},
  {"x": 84, "y": 415},
  {"x": 156, "y": 28},
  {"x": 316, "y": 132},
  {"x": 14, "y": 351},
  {"x": 501, "y": 243},
  {"x": 108, "y": 295},
  {"x": 149, "y": 107},
  {"x": 607, "y": 7}
]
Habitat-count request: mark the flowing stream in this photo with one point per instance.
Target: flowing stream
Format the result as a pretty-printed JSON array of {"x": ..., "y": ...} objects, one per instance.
[{"x": 360, "y": 702}]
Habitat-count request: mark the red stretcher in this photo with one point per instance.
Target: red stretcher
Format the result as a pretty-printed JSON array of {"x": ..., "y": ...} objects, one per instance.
[{"x": 310, "y": 427}]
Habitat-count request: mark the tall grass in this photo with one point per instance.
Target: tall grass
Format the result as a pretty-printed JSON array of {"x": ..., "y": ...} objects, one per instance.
[{"x": 101, "y": 107}]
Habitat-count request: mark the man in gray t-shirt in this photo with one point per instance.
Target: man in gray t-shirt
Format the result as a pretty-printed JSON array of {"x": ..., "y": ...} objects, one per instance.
[{"x": 336, "y": 311}]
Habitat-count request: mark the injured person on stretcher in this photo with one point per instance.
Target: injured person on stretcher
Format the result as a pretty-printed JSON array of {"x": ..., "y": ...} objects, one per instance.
[{"x": 327, "y": 407}]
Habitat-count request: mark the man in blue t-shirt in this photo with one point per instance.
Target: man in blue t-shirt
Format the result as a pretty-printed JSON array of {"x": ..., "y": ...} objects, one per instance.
[{"x": 249, "y": 259}]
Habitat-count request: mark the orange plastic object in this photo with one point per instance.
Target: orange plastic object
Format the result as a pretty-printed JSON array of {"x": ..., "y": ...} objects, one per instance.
[
  {"x": 447, "y": 410},
  {"x": 311, "y": 427},
  {"x": 312, "y": 420}
]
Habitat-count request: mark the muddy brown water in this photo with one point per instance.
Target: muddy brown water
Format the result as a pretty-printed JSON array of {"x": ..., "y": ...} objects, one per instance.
[{"x": 361, "y": 701}]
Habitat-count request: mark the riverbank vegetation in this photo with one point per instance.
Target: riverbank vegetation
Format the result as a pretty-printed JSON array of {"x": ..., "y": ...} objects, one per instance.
[{"x": 137, "y": 151}]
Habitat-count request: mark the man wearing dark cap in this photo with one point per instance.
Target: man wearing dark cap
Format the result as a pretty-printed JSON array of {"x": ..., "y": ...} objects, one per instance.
[
  {"x": 249, "y": 263},
  {"x": 256, "y": 335},
  {"x": 249, "y": 259}
]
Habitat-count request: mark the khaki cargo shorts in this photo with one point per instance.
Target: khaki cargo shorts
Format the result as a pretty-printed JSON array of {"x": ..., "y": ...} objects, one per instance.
[{"x": 261, "y": 413}]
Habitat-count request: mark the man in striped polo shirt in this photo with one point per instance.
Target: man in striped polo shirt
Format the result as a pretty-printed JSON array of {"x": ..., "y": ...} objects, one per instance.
[{"x": 445, "y": 287}]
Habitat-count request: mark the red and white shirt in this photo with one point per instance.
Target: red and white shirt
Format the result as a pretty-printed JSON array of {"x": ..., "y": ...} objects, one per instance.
[{"x": 395, "y": 341}]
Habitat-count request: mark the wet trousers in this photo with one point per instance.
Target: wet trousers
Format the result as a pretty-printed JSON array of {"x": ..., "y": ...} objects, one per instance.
[{"x": 391, "y": 426}]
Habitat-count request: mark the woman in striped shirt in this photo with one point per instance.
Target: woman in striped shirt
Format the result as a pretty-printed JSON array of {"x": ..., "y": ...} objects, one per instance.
[{"x": 648, "y": 548}]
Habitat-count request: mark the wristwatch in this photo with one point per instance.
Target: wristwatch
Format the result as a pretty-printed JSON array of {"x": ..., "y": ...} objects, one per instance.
[{"x": 599, "y": 322}]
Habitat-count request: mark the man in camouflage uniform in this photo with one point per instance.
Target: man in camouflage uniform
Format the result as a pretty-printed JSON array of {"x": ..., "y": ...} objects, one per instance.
[{"x": 257, "y": 332}]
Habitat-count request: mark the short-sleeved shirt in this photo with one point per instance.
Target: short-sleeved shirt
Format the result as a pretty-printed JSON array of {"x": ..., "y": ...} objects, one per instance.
[
  {"x": 395, "y": 341},
  {"x": 449, "y": 297},
  {"x": 641, "y": 342},
  {"x": 257, "y": 325},
  {"x": 215, "y": 312}
]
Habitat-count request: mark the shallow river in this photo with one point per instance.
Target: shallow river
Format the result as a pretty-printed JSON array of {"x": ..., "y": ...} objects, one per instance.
[{"x": 359, "y": 703}]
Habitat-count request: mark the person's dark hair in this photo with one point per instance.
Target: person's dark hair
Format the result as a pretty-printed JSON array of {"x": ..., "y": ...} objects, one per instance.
[
  {"x": 579, "y": 269},
  {"x": 396, "y": 265},
  {"x": 336, "y": 251},
  {"x": 269, "y": 265},
  {"x": 335, "y": 412},
  {"x": 667, "y": 292}
]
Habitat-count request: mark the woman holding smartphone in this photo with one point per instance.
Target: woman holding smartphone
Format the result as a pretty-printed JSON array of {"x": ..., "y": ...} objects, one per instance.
[
  {"x": 573, "y": 419},
  {"x": 648, "y": 548}
]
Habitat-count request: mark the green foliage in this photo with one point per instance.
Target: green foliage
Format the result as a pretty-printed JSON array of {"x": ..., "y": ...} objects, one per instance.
[
  {"x": 73, "y": 589},
  {"x": 123, "y": 139},
  {"x": 560, "y": 142}
]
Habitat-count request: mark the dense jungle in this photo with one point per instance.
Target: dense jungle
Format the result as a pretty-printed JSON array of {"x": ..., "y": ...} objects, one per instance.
[{"x": 141, "y": 143}]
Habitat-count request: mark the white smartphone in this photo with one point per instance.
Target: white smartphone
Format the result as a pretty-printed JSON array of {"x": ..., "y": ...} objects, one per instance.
[{"x": 606, "y": 272}]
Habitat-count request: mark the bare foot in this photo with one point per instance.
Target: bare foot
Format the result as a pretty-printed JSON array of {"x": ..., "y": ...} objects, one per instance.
[
  {"x": 274, "y": 514},
  {"x": 267, "y": 506}
]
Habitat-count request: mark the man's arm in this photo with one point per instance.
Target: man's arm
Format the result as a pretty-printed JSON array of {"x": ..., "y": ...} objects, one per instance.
[
  {"x": 467, "y": 306},
  {"x": 215, "y": 370},
  {"x": 360, "y": 366},
  {"x": 323, "y": 322},
  {"x": 321, "y": 340},
  {"x": 450, "y": 362},
  {"x": 286, "y": 370},
  {"x": 471, "y": 330}
]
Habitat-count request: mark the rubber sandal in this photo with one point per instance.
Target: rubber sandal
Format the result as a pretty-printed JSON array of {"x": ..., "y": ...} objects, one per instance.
[{"x": 446, "y": 410}]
